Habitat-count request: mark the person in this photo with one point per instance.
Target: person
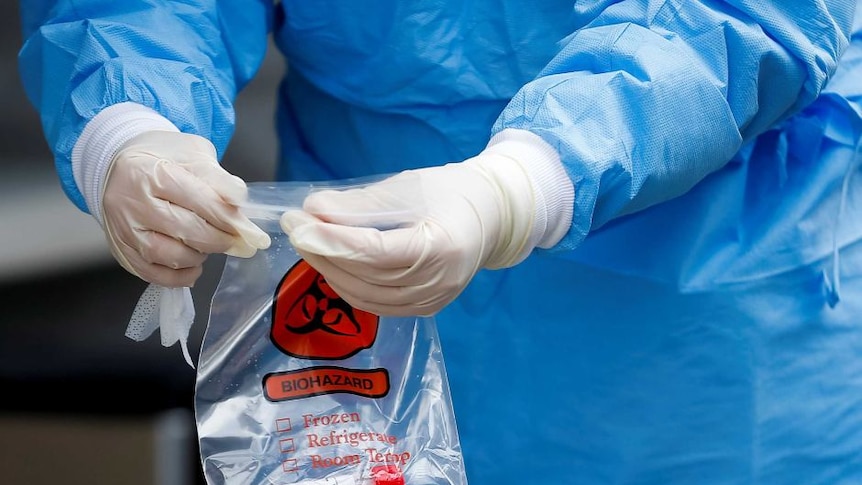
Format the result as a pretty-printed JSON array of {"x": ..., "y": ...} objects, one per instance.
[{"x": 639, "y": 227}]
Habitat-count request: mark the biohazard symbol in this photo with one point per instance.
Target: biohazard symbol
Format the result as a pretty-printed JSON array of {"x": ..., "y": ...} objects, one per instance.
[{"x": 310, "y": 320}]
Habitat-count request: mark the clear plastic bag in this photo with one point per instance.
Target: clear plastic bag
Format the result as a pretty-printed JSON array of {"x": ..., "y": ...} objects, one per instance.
[{"x": 295, "y": 386}]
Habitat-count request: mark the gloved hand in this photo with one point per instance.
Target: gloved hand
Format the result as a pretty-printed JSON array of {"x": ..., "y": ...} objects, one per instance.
[
  {"x": 480, "y": 213},
  {"x": 167, "y": 203}
]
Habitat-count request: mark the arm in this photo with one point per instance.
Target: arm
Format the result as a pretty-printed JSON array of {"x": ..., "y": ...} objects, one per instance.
[
  {"x": 648, "y": 98},
  {"x": 641, "y": 103},
  {"x": 115, "y": 81},
  {"x": 183, "y": 60}
]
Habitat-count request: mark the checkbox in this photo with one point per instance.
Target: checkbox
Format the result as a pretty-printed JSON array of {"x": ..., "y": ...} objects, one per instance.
[
  {"x": 286, "y": 445},
  {"x": 283, "y": 424},
  {"x": 289, "y": 465}
]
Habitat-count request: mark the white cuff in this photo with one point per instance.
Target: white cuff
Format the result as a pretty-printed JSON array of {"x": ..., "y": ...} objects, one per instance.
[
  {"x": 102, "y": 137},
  {"x": 553, "y": 189}
]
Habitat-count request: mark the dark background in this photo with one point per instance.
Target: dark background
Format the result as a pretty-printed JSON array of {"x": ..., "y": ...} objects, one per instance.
[{"x": 81, "y": 400}]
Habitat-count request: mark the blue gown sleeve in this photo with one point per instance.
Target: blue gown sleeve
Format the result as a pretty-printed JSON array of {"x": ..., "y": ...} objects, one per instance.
[
  {"x": 649, "y": 97},
  {"x": 186, "y": 60}
]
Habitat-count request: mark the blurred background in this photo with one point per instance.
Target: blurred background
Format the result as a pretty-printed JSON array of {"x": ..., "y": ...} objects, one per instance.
[{"x": 82, "y": 404}]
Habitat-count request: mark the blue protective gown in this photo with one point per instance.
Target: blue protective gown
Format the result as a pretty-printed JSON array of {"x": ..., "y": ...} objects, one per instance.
[{"x": 701, "y": 322}]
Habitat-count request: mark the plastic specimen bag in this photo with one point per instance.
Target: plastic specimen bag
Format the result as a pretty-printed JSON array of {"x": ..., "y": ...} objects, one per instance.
[{"x": 296, "y": 386}]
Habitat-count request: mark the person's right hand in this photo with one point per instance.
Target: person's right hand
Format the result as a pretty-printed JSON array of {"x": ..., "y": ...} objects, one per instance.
[{"x": 167, "y": 204}]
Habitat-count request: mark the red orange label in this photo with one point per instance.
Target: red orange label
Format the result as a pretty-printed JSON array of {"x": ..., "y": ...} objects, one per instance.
[
  {"x": 314, "y": 381},
  {"x": 310, "y": 320}
]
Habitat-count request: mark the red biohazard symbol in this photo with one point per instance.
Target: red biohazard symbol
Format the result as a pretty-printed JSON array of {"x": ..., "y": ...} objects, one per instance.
[{"x": 310, "y": 320}]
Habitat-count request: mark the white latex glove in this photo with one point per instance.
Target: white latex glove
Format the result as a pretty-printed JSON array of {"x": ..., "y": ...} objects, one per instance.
[
  {"x": 164, "y": 203},
  {"x": 167, "y": 204},
  {"x": 490, "y": 211}
]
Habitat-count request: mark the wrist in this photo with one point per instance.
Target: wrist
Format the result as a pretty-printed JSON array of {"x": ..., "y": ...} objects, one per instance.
[
  {"x": 505, "y": 210},
  {"x": 99, "y": 141},
  {"x": 533, "y": 174}
]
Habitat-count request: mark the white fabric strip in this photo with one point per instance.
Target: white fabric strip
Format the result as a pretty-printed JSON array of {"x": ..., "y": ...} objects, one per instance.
[
  {"x": 102, "y": 137},
  {"x": 553, "y": 189}
]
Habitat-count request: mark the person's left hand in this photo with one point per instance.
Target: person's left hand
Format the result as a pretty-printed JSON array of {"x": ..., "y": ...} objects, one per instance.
[{"x": 461, "y": 217}]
